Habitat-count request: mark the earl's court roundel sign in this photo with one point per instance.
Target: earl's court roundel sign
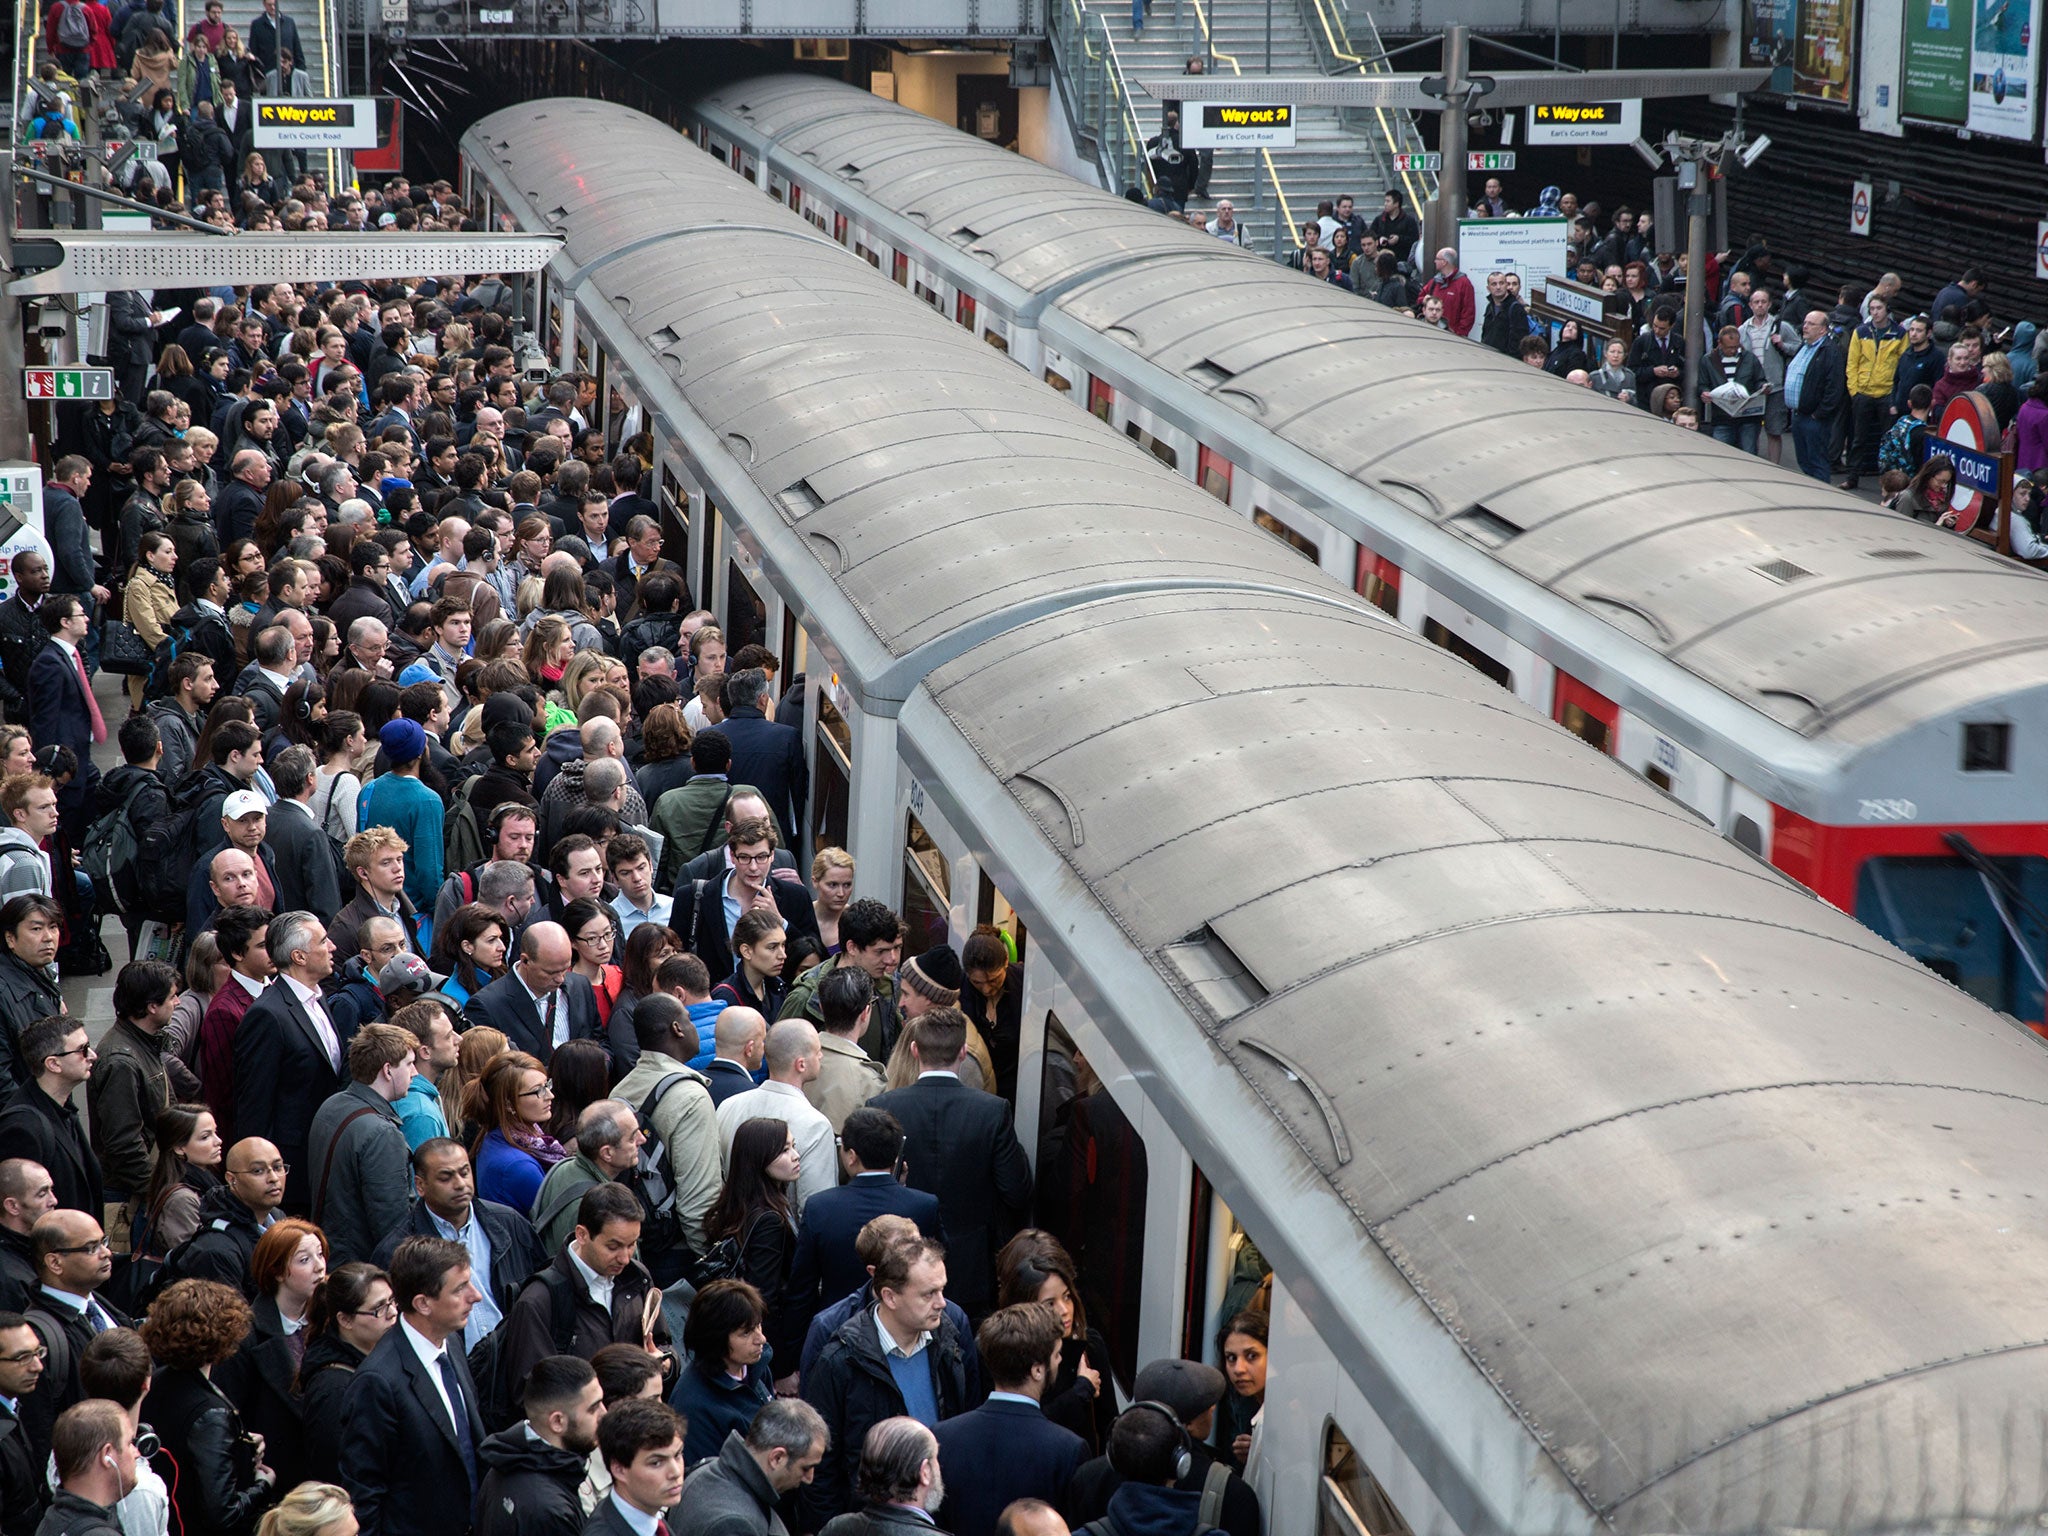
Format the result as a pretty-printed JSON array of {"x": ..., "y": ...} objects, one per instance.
[{"x": 1968, "y": 434}]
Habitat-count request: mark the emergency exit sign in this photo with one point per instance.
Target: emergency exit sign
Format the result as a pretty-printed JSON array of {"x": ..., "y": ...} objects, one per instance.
[
  {"x": 1490, "y": 160},
  {"x": 1418, "y": 160},
  {"x": 67, "y": 383}
]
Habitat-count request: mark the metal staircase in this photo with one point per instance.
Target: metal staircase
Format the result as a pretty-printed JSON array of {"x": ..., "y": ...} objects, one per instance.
[{"x": 1273, "y": 191}]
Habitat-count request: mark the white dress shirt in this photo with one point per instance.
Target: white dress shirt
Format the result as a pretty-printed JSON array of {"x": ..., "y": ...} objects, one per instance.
[
  {"x": 309, "y": 999},
  {"x": 599, "y": 1287},
  {"x": 818, "y": 1164},
  {"x": 431, "y": 1356}
]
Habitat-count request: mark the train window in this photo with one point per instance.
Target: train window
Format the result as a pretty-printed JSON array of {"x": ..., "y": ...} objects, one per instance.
[
  {"x": 992, "y": 907},
  {"x": 1658, "y": 777},
  {"x": 831, "y": 777},
  {"x": 1091, "y": 1193},
  {"x": 1588, "y": 728},
  {"x": 707, "y": 578},
  {"x": 1466, "y": 651},
  {"x": 930, "y": 295},
  {"x": 674, "y": 502},
  {"x": 1226, "y": 1272},
  {"x": 1973, "y": 919},
  {"x": 927, "y": 892},
  {"x": 997, "y": 340},
  {"x": 1302, "y": 543},
  {"x": 746, "y": 616},
  {"x": 1379, "y": 582},
  {"x": 1162, "y": 451},
  {"x": 839, "y": 227},
  {"x": 1101, "y": 398},
  {"x": 899, "y": 269},
  {"x": 1351, "y": 1500},
  {"x": 1059, "y": 381},
  {"x": 964, "y": 308},
  {"x": 796, "y": 197},
  {"x": 867, "y": 256},
  {"x": 1987, "y": 747},
  {"x": 1747, "y": 835}
]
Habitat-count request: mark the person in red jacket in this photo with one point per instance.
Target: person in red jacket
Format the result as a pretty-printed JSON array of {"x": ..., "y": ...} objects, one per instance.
[{"x": 1455, "y": 289}]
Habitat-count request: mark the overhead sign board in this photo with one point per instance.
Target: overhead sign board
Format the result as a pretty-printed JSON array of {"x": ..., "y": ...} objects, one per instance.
[
  {"x": 1585, "y": 122},
  {"x": 1575, "y": 300},
  {"x": 303, "y": 122},
  {"x": 1238, "y": 125},
  {"x": 67, "y": 383}
]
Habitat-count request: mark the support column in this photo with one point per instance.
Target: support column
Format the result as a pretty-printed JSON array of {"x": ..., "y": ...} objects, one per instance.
[{"x": 1450, "y": 182}]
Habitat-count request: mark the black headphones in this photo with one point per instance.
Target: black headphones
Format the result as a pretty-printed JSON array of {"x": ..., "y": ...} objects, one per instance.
[
  {"x": 302, "y": 707},
  {"x": 1184, "y": 1458},
  {"x": 499, "y": 815}
]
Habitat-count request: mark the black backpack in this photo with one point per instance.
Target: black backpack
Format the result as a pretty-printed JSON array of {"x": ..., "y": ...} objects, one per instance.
[
  {"x": 110, "y": 850},
  {"x": 497, "y": 1398},
  {"x": 178, "y": 638},
  {"x": 166, "y": 852}
]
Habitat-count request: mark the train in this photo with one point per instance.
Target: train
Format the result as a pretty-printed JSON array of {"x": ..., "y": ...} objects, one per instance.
[
  {"x": 1605, "y": 1178},
  {"x": 1854, "y": 697}
]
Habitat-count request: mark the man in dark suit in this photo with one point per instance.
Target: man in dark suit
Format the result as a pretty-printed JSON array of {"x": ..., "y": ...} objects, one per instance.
[
  {"x": 701, "y": 914},
  {"x": 61, "y": 707},
  {"x": 640, "y": 559},
  {"x": 766, "y": 755},
  {"x": 628, "y": 503},
  {"x": 1007, "y": 1449},
  {"x": 302, "y": 852},
  {"x": 540, "y": 1002},
  {"x": 73, "y": 1262},
  {"x": 240, "y": 501},
  {"x": 411, "y": 1419},
  {"x": 23, "y": 1492},
  {"x": 289, "y": 1057},
  {"x": 1816, "y": 390},
  {"x": 503, "y": 1251},
  {"x": 827, "y": 1264},
  {"x": 960, "y": 1145},
  {"x": 38, "y": 1121},
  {"x": 745, "y": 803}
]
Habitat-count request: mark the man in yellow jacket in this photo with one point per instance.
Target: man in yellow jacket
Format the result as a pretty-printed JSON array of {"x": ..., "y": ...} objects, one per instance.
[{"x": 1874, "y": 350}]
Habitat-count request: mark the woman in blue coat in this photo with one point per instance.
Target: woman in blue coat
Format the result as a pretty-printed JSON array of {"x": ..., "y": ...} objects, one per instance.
[{"x": 729, "y": 1376}]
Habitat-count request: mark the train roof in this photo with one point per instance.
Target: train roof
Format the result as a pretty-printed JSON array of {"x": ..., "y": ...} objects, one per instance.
[
  {"x": 1678, "y": 1201},
  {"x": 1838, "y": 621}
]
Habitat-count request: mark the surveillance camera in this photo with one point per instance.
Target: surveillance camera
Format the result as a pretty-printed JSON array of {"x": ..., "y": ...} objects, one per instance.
[
  {"x": 1755, "y": 150},
  {"x": 1651, "y": 155},
  {"x": 51, "y": 320}
]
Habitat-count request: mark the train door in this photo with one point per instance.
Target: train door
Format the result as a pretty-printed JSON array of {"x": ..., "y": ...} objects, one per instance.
[
  {"x": 831, "y": 742},
  {"x": 1587, "y": 713}
]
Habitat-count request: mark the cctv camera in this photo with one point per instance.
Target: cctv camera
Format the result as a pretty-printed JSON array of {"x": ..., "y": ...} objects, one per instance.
[
  {"x": 1651, "y": 155},
  {"x": 1755, "y": 150}
]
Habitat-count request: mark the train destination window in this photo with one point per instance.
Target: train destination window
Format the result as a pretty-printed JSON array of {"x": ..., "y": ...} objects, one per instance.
[
  {"x": 1091, "y": 1193},
  {"x": 1987, "y": 747},
  {"x": 1160, "y": 450},
  {"x": 1978, "y": 921},
  {"x": 1352, "y": 1502},
  {"x": 831, "y": 776}
]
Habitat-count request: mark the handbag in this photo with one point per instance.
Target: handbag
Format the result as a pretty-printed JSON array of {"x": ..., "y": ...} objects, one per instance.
[{"x": 123, "y": 650}]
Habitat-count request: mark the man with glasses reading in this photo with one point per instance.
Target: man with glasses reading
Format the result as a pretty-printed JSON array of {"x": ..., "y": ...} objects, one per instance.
[
  {"x": 706, "y": 911},
  {"x": 38, "y": 1120},
  {"x": 540, "y": 1002}
]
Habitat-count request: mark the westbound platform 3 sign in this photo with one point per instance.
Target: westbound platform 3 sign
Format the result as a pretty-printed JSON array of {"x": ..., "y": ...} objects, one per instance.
[
  {"x": 303, "y": 122},
  {"x": 1238, "y": 125}
]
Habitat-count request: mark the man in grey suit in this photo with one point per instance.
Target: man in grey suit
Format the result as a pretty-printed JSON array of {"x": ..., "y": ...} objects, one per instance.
[{"x": 308, "y": 878}]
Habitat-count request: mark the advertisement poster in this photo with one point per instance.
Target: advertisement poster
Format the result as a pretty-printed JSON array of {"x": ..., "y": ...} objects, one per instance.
[
  {"x": 1827, "y": 47},
  {"x": 2002, "y": 68},
  {"x": 1767, "y": 42},
  {"x": 1935, "y": 64}
]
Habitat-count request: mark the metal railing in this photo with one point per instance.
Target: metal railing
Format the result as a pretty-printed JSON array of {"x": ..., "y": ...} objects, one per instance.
[
  {"x": 1097, "y": 96},
  {"x": 1330, "y": 34},
  {"x": 1285, "y": 231}
]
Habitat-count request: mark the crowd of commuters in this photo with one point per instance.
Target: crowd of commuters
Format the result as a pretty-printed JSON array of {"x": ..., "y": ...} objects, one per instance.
[
  {"x": 1849, "y": 376},
  {"x": 498, "y": 1131}
]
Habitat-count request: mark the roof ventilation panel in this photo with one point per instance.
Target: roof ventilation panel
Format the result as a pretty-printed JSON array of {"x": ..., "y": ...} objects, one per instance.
[
  {"x": 1213, "y": 970},
  {"x": 1209, "y": 373},
  {"x": 1483, "y": 526},
  {"x": 1784, "y": 572},
  {"x": 799, "y": 501}
]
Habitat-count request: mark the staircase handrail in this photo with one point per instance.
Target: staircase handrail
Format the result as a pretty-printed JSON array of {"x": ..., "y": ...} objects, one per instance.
[
  {"x": 1285, "y": 227},
  {"x": 1097, "y": 97},
  {"x": 1331, "y": 39}
]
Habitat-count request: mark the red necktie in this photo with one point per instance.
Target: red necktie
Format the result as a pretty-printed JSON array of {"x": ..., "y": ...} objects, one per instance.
[{"x": 99, "y": 721}]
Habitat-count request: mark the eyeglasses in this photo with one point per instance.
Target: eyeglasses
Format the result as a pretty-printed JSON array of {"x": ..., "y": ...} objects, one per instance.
[
  {"x": 544, "y": 1091},
  {"x": 99, "y": 1245},
  {"x": 754, "y": 858},
  {"x": 387, "y": 1311},
  {"x": 599, "y": 936},
  {"x": 76, "y": 1050},
  {"x": 38, "y": 1353}
]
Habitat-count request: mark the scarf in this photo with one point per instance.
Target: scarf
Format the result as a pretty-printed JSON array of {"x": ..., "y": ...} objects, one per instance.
[
  {"x": 538, "y": 1145},
  {"x": 168, "y": 578},
  {"x": 552, "y": 673}
]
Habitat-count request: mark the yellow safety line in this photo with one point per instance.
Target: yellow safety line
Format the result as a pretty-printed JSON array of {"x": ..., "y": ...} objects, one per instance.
[
  {"x": 1416, "y": 194},
  {"x": 1272, "y": 173}
]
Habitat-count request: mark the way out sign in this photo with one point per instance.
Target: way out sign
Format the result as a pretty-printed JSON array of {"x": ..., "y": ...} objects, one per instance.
[
  {"x": 1238, "y": 125},
  {"x": 1859, "y": 208}
]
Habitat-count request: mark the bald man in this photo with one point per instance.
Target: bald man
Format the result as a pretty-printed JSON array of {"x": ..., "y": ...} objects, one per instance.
[
  {"x": 1030, "y": 1517},
  {"x": 792, "y": 1055},
  {"x": 72, "y": 1262},
  {"x": 243, "y": 874},
  {"x": 540, "y": 1002},
  {"x": 232, "y": 1217},
  {"x": 27, "y": 1194},
  {"x": 739, "y": 1039}
]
